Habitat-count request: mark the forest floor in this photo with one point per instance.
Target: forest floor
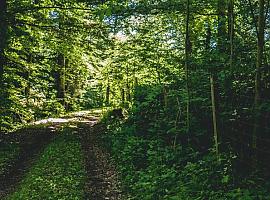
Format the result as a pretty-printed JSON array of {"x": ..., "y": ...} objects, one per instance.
[{"x": 36, "y": 166}]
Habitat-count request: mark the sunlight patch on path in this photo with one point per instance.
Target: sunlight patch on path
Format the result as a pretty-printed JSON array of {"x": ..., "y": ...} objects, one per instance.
[
  {"x": 82, "y": 117},
  {"x": 52, "y": 120}
]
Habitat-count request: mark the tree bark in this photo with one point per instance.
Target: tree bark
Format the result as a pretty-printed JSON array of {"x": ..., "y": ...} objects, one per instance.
[
  {"x": 221, "y": 47},
  {"x": 61, "y": 93},
  {"x": 3, "y": 45},
  {"x": 221, "y": 40},
  {"x": 128, "y": 95},
  {"x": 231, "y": 32},
  {"x": 123, "y": 96},
  {"x": 187, "y": 57},
  {"x": 215, "y": 128},
  {"x": 165, "y": 96},
  {"x": 27, "y": 89},
  {"x": 259, "y": 65},
  {"x": 228, "y": 86},
  {"x": 107, "y": 95},
  {"x": 3, "y": 37}
]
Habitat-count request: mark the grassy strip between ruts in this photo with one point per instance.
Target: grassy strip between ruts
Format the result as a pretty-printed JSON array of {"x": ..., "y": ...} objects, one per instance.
[{"x": 58, "y": 174}]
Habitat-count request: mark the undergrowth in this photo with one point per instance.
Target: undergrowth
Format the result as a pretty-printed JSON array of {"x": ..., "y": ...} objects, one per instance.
[
  {"x": 157, "y": 160},
  {"x": 151, "y": 170}
]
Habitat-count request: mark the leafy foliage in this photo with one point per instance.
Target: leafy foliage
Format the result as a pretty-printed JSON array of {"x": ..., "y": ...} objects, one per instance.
[
  {"x": 183, "y": 70},
  {"x": 43, "y": 72},
  {"x": 154, "y": 168}
]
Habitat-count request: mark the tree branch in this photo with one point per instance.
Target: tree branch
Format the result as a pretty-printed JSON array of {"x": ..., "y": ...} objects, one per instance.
[
  {"x": 267, "y": 11},
  {"x": 26, "y": 9}
]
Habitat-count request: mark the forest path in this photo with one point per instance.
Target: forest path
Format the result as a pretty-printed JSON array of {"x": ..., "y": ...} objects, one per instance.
[
  {"x": 31, "y": 142},
  {"x": 102, "y": 180}
]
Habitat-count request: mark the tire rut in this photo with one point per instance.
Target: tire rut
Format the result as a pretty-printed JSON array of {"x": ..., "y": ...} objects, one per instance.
[
  {"x": 102, "y": 181},
  {"x": 31, "y": 145}
]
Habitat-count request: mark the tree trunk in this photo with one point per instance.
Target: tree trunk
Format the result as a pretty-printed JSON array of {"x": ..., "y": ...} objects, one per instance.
[
  {"x": 3, "y": 37},
  {"x": 187, "y": 57},
  {"x": 61, "y": 79},
  {"x": 259, "y": 65},
  {"x": 165, "y": 96},
  {"x": 221, "y": 47},
  {"x": 231, "y": 30},
  {"x": 27, "y": 88},
  {"x": 221, "y": 40},
  {"x": 229, "y": 73},
  {"x": 128, "y": 95},
  {"x": 214, "y": 114},
  {"x": 208, "y": 37},
  {"x": 3, "y": 45},
  {"x": 136, "y": 83},
  {"x": 213, "y": 92},
  {"x": 108, "y": 95},
  {"x": 123, "y": 95}
]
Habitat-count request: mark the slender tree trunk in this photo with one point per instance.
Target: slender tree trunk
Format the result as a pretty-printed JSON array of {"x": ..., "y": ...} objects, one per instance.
[
  {"x": 3, "y": 44},
  {"x": 165, "y": 96},
  {"x": 123, "y": 95},
  {"x": 128, "y": 92},
  {"x": 215, "y": 97},
  {"x": 3, "y": 37},
  {"x": 214, "y": 114},
  {"x": 187, "y": 57},
  {"x": 259, "y": 65},
  {"x": 61, "y": 79},
  {"x": 213, "y": 92},
  {"x": 228, "y": 85},
  {"x": 136, "y": 83},
  {"x": 221, "y": 40},
  {"x": 28, "y": 83},
  {"x": 28, "y": 87},
  {"x": 107, "y": 95},
  {"x": 208, "y": 37},
  {"x": 231, "y": 31}
]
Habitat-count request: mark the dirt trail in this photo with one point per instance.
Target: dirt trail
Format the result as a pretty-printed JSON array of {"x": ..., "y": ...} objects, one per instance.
[
  {"x": 102, "y": 181},
  {"x": 31, "y": 141}
]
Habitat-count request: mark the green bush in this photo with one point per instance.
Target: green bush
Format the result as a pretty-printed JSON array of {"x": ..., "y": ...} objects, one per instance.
[
  {"x": 152, "y": 170},
  {"x": 158, "y": 160}
]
